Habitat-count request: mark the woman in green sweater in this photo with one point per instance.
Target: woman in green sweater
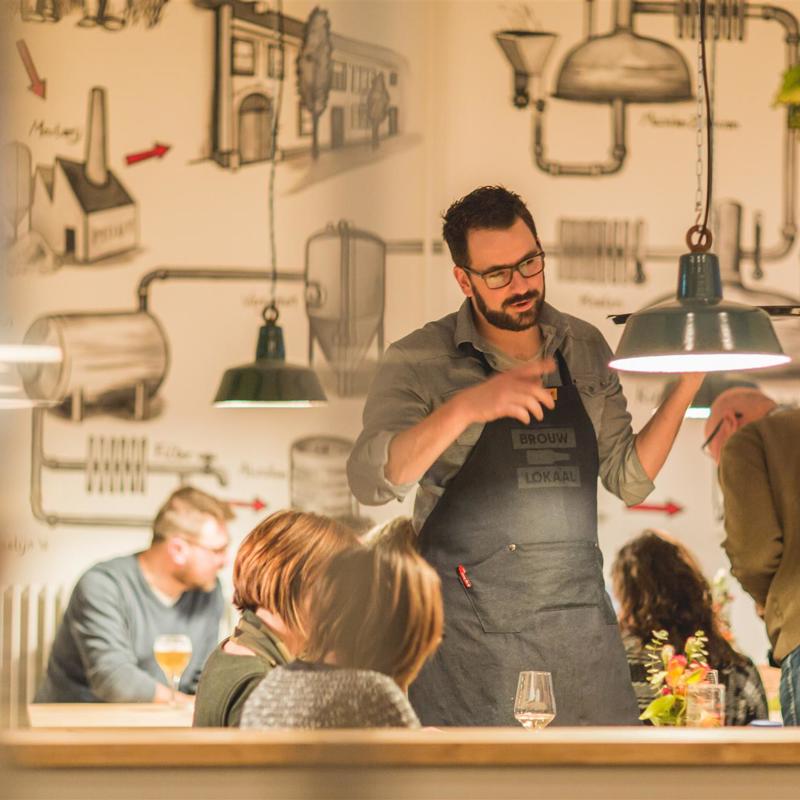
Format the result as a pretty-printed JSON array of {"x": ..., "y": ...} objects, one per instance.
[{"x": 277, "y": 562}]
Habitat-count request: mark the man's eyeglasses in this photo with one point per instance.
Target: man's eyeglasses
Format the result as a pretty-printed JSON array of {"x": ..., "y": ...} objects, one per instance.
[
  {"x": 498, "y": 277},
  {"x": 714, "y": 432},
  {"x": 217, "y": 551}
]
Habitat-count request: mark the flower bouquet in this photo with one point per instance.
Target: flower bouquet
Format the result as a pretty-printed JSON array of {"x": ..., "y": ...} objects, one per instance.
[{"x": 670, "y": 674}]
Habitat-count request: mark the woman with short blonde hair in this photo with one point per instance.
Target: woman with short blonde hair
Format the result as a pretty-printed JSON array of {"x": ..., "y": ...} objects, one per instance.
[
  {"x": 376, "y": 617},
  {"x": 276, "y": 565}
]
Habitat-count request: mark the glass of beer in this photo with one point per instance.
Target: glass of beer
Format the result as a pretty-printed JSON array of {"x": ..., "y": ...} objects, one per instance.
[{"x": 173, "y": 652}]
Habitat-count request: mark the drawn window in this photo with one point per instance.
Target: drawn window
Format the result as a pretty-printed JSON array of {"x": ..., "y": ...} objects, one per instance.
[
  {"x": 392, "y": 79},
  {"x": 305, "y": 122},
  {"x": 339, "y": 76},
  {"x": 243, "y": 57},
  {"x": 274, "y": 62},
  {"x": 358, "y": 116},
  {"x": 362, "y": 78}
]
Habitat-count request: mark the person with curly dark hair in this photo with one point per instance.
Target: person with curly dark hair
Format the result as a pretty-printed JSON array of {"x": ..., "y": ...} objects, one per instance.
[{"x": 660, "y": 586}]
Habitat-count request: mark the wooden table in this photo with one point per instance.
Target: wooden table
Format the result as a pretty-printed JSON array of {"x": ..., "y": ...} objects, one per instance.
[
  {"x": 109, "y": 715},
  {"x": 454, "y": 764}
]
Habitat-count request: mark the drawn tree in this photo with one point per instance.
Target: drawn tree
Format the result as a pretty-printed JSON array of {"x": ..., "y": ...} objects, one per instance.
[
  {"x": 315, "y": 70},
  {"x": 16, "y": 190},
  {"x": 377, "y": 105}
]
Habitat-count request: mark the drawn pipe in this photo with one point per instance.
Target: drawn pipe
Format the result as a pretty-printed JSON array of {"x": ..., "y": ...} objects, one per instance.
[
  {"x": 206, "y": 274},
  {"x": 115, "y": 465},
  {"x": 618, "y": 148}
]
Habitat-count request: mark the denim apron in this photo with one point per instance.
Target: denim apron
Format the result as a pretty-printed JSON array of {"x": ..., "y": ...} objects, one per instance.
[{"x": 514, "y": 541}]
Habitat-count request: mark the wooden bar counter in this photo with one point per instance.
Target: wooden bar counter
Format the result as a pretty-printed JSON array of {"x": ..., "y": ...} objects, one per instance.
[{"x": 620, "y": 763}]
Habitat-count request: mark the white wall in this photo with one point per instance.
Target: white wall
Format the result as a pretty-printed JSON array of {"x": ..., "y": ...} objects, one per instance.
[{"x": 461, "y": 130}]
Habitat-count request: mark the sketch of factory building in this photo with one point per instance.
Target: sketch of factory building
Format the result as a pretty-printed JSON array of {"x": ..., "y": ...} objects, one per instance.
[
  {"x": 247, "y": 71},
  {"x": 82, "y": 210}
]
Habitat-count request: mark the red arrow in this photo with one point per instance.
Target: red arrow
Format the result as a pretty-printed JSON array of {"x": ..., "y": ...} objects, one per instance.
[
  {"x": 256, "y": 504},
  {"x": 157, "y": 151},
  {"x": 38, "y": 86},
  {"x": 669, "y": 507}
]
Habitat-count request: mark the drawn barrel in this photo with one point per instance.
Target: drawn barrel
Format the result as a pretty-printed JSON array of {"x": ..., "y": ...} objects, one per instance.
[
  {"x": 318, "y": 476},
  {"x": 113, "y": 361}
]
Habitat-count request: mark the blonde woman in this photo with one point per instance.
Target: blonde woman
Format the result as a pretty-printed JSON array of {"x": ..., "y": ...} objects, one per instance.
[
  {"x": 377, "y": 616},
  {"x": 277, "y": 563}
]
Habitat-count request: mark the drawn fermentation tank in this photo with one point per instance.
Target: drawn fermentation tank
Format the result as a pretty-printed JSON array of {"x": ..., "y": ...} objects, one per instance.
[
  {"x": 346, "y": 277},
  {"x": 113, "y": 362},
  {"x": 318, "y": 477}
]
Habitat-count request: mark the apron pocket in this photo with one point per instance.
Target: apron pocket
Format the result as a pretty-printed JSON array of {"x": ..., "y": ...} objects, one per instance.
[{"x": 507, "y": 589}]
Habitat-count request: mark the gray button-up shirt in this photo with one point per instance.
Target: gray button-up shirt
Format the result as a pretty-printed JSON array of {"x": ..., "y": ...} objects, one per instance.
[{"x": 426, "y": 368}]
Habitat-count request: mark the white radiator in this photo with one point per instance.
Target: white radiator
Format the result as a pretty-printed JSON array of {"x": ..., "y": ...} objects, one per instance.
[{"x": 29, "y": 616}]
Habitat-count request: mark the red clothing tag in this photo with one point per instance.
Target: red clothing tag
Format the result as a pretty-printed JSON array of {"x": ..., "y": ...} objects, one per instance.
[{"x": 462, "y": 576}]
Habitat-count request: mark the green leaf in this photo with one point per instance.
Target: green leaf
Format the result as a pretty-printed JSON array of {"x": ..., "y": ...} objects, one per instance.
[
  {"x": 789, "y": 93},
  {"x": 696, "y": 676},
  {"x": 659, "y": 708}
]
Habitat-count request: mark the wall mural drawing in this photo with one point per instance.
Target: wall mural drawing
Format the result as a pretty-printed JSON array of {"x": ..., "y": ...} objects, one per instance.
[
  {"x": 116, "y": 361},
  {"x": 111, "y": 15},
  {"x": 111, "y": 466},
  {"x": 339, "y": 113},
  {"x": 79, "y": 212},
  {"x": 318, "y": 479},
  {"x": 347, "y": 269},
  {"x": 621, "y": 68}
]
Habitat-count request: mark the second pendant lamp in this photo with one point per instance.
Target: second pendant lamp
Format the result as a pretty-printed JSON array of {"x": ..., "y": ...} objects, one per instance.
[{"x": 698, "y": 331}]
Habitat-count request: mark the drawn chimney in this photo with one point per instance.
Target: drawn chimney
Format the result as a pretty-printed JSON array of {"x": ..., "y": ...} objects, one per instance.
[{"x": 96, "y": 166}]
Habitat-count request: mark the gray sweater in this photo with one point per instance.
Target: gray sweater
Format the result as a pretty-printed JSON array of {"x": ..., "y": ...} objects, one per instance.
[
  {"x": 103, "y": 650},
  {"x": 302, "y": 695}
]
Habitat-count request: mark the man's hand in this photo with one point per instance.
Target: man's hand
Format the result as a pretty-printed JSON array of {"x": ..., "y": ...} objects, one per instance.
[{"x": 517, "y": 393}]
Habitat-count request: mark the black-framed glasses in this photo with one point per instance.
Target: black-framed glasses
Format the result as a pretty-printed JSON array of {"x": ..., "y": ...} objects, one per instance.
[
  {"x": 714, "y": 432},
  {"x": 498, "y": 277}
]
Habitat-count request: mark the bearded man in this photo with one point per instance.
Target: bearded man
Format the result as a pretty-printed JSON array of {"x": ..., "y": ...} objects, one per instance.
[
  {"x": 506, "y": 413},
  {"x": 103, "y": 649}
]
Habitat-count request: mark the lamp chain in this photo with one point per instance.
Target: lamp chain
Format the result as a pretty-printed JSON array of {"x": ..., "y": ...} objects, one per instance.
[
  {"x": 280, "y": 76},
  {"x": 698, "y": 135},
  {"x": 702, "y": 209}
]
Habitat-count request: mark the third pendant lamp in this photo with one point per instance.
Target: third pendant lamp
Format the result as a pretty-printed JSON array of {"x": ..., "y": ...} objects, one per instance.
[
  {"x": 699, "y": 331},
  {"x": 269, "y": 382}
]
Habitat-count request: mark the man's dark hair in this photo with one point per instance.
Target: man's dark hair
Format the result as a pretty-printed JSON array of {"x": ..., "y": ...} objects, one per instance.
[{"x": 493, "y": 207}]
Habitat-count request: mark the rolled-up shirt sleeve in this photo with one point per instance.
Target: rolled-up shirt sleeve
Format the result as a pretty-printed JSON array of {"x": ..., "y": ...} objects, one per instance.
[
  {"x": 621, "y": 471},
  {"x": 396, "y": 401}
]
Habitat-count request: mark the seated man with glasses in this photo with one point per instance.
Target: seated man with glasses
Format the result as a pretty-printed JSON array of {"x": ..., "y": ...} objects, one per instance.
[
  {"x": 506, "y": 413},
  {"x": 103, "y": 649}
]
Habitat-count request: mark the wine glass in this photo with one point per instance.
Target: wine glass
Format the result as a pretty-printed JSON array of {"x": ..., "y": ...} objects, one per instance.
[
  {"x": 535, "y": 703},
  {"x": 173, "y": 652}
]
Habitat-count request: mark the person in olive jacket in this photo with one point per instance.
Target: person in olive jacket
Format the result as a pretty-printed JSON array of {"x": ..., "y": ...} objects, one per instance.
[
  {"x": 276, "y": 564},
  {"x": 756, "y": 444}
]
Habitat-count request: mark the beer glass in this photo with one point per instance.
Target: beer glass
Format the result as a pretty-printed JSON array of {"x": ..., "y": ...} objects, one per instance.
[{"x": 173, "y": 652}]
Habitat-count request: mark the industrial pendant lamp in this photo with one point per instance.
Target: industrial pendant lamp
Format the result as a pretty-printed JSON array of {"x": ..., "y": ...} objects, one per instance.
[
  {"x": 269, "y": 381},
  {"x": 698, "y": 331}
]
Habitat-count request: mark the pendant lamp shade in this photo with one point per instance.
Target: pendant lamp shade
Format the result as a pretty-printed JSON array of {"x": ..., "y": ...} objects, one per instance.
[
  {"x": 269, "y": 382},
  {"x": 698, "y": 331}
]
